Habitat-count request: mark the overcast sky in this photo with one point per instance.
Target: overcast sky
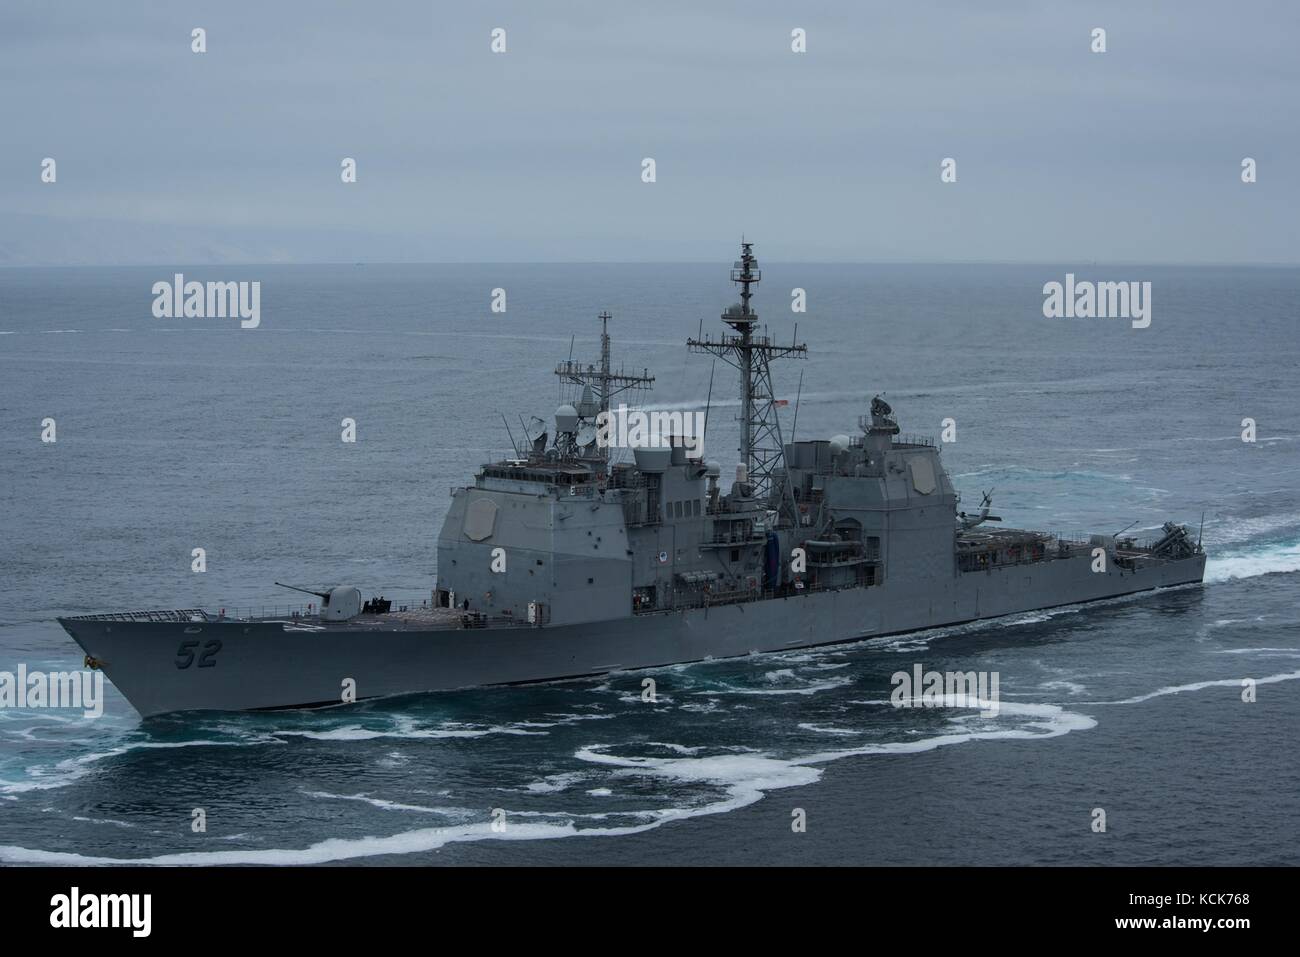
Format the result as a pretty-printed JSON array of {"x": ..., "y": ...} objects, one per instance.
[{"x": 1063, "y": 155}]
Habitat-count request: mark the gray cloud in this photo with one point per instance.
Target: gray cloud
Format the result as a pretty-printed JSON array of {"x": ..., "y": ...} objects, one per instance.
[{"x": 1063, "y": 155}]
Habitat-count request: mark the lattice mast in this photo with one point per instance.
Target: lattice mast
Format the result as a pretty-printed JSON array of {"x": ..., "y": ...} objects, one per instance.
[
  {"x": 600, "y": 384},
  {"x": 761, "y": 447}
]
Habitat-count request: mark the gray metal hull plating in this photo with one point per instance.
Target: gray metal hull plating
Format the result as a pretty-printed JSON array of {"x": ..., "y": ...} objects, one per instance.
[{"x": 266, "y": 665}]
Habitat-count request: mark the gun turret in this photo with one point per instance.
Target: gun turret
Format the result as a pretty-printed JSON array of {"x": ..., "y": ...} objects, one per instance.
[{"x": 338, "y": 604}]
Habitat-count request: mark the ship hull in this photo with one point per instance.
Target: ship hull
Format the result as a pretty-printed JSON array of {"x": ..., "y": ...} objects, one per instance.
[{"x": 164, "y": 667}]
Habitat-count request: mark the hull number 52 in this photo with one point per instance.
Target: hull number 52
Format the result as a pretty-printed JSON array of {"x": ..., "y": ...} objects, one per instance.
[{"x": 207, "y": 659}]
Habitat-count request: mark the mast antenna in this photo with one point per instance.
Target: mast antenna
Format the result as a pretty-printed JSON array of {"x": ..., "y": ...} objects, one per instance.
[
  {"x": 708, "y": 403},
  {"x": 761, "y": 446},
  {"x": 798, "y": 395},
  {"x": 511, "y": 434},
  {"x": 605, "y": 381}
]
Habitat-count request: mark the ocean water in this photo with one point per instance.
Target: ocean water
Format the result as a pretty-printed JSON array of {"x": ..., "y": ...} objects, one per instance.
[{"x": 183, "y": 433}]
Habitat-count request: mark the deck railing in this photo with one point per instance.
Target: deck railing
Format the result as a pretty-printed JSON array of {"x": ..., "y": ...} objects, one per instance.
[
  {"x": 168, "y": 614},
  {"x": 309, "y": 609}
]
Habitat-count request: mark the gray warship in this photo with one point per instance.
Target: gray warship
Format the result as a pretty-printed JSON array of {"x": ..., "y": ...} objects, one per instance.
[{"x": 575, "y": 558}]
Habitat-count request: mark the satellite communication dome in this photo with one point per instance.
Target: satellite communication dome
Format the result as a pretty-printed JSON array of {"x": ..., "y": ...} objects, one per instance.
[
  {"x": 839, "y": 443},
  {"x": 566, "y": 418}
]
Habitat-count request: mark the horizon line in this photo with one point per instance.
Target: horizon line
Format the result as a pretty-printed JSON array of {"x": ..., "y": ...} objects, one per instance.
[{"x": 1269, "y": 264}]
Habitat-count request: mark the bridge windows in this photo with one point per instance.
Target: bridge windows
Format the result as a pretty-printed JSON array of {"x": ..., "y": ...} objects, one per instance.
[{"x": 687, "y": 508}]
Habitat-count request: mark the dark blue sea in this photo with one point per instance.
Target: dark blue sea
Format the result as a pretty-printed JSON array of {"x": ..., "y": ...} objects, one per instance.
[{"x": 174, "y": 434}]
